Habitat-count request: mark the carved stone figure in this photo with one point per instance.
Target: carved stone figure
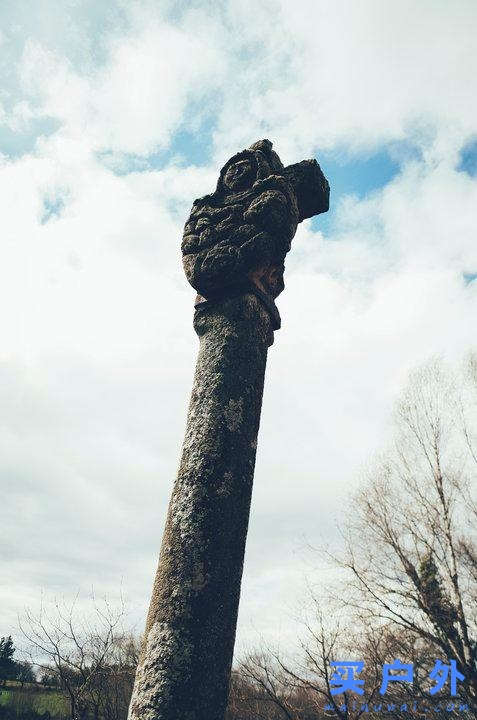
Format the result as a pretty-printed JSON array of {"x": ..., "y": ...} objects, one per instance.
[{"x": 244, "y": 229}]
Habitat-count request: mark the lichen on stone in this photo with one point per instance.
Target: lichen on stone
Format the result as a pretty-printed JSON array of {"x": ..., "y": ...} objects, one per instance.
[{"x": 233, "y": 413}]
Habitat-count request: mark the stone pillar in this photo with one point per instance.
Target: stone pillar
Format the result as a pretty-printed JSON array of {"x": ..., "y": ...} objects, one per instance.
[
  {"x": 234, "y": 247},
  {"x": 189, "y": 639}
]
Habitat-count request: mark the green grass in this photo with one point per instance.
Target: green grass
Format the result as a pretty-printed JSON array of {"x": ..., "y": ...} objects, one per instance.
[
  {"x": 5, "y": 696},
  {"x": 40, "y": 701},
  {"x": 54, "y": 702}
]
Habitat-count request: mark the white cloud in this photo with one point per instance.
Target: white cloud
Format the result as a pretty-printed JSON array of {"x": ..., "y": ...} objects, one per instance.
[
  {"x": 135, "y": 100},
  {"x": 97, "y": 344},
  {"x": 358, "y": 74}
]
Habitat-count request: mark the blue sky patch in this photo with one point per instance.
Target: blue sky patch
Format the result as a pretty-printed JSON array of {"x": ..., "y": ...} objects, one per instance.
[
  {"x": 52, "y": 207},
  {"x": 15, "y": 143},
  {"x": 79, "y": 30},
  {"x": 468, "y": 159},
  {"x": 186, "y": 147},
  {"x": 469, "y": 277},
  {"x": 358, "y": 174}
]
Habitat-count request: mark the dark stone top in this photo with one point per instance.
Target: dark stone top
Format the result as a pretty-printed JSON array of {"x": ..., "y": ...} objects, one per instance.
[{"x": 242, "y": 232}]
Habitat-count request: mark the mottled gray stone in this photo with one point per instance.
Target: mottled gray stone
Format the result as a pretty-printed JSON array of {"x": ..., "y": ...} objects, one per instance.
[
  {"x": 185, "y": 662},
  {"x": 244, "y": 229}
]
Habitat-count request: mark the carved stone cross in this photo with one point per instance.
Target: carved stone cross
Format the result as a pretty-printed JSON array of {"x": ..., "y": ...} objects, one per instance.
[{"x": 234, "y": 247}]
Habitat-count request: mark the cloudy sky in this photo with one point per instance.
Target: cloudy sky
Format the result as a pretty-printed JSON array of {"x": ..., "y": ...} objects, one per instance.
[{"x": 114, "y": 116}]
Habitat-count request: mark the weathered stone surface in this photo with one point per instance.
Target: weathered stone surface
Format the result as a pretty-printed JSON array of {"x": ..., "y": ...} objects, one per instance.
[
  {"x": 187, "y": 654},
  {"x": 244, "y": 229},
  {"x": 234, "y": 247}
]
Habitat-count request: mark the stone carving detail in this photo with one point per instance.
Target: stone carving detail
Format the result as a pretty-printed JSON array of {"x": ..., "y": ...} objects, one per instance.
[{"x": 243, "y": 231}]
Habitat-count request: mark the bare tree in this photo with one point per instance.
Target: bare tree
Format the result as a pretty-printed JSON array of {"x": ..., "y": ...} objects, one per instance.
[
  {"x": 113, "y": 686},
  {"x": 408, "y": 572},
  {"x": 89, "y": 658},
  {"x": 302, "y": 687},
  {"x": 410, "y": 543}
]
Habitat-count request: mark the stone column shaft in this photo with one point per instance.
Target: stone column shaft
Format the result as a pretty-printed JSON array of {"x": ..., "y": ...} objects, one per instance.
[{"x": 187, "y": 651}]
